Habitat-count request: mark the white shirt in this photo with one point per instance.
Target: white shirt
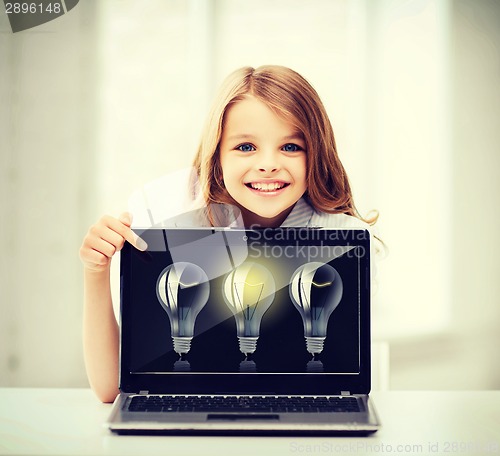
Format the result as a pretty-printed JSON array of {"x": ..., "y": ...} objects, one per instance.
[{"x": 302, "y": 215}]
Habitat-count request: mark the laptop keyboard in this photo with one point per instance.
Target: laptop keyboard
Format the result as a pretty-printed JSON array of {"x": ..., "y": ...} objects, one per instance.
[{"x": 258, "y": 404}]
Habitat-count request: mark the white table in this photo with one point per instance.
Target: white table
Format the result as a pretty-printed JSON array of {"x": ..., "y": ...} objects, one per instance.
[{"x": 70, "y": 422}]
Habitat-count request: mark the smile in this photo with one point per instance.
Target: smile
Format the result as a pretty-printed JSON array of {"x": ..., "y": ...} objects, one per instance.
[{"x": 267, "y": 187}]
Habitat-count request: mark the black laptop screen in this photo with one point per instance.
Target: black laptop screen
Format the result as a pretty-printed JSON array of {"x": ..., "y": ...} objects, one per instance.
[{"x": 232, "y": 302}]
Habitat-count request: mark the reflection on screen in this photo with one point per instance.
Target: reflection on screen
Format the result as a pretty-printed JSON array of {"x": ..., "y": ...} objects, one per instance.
[{"x": 205, "y": 301}]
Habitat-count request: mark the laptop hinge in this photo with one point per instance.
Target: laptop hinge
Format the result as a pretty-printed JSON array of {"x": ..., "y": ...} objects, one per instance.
[{"x": 345, "y": 393}]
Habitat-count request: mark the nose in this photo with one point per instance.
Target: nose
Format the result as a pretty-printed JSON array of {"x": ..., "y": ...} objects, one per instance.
[{"x": 268, "y": 161}]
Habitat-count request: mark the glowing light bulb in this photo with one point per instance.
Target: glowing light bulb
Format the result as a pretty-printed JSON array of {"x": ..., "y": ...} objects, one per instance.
[
  {"x": 315, "y": 290},
  {"x": 182, "y": 289},
  {"x": 249, "y": 292}
]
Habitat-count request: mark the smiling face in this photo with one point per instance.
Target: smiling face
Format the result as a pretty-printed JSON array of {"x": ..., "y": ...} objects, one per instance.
[{"x": 263, "y": 161}]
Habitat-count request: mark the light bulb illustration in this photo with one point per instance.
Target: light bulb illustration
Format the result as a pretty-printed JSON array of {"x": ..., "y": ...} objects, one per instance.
[
  {"x": 315, "y": 290},
  {"x": 249, "y": 292},
  {"x": 182, "y": 365},
  {"x": 315, "y": 366},
  {"x": 182, "y": 289},
  {"x": 248, "y": 366}
]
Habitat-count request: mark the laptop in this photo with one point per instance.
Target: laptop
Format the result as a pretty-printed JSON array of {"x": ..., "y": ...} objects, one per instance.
[{"x": 245, "y": 331}]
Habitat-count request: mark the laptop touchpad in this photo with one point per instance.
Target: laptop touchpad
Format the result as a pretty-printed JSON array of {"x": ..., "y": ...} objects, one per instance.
[{"x": 242, "y": 417}]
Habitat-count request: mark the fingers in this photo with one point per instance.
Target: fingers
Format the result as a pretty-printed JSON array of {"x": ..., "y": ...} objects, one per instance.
[
  {"x": 109, "y": 226},
  {"x": 107, "y": 237},
  {"x": 93, "y": 259},
  {"x": 126, "y": 218},
  {"x": 136, "y": 241},
  {"x": 123, "y": 229}
]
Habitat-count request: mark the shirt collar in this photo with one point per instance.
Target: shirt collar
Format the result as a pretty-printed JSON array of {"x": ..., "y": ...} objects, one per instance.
[{"x": 301, "y": 214}]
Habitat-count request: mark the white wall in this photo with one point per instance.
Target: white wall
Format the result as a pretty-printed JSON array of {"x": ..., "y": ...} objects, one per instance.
[
  {"x": 47, "y": 150},
  {"x": 105, "y": 99},
  {"x": 466, "y": 356}
]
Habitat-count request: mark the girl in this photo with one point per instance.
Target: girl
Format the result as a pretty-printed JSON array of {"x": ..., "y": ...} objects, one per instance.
[{"x": 267, "y": 150}]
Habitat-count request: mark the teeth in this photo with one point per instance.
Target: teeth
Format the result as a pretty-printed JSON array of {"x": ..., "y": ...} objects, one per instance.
[{"x": 266, "y": 187}]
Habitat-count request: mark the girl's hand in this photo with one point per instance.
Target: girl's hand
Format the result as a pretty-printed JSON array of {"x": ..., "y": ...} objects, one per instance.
[{"x": 105, "y": 238}]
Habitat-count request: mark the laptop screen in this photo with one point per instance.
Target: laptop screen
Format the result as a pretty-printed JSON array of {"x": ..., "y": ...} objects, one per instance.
[{"x": 225, "y": 305}]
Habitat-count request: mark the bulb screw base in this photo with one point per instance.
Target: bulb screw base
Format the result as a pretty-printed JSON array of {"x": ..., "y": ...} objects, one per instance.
[
  {"x": 182, "y": 345},
  {"x": 247, "y": 344},
  {"x": 314, "y": 345}
]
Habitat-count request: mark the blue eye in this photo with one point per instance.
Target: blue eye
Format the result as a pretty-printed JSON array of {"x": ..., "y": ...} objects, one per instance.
[
  {"x": 291, "y": 147},
  {"x": 245, "y": 147}
]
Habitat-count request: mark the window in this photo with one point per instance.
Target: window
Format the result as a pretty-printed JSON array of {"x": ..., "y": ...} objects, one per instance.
[{"x": 381, "y": 71}]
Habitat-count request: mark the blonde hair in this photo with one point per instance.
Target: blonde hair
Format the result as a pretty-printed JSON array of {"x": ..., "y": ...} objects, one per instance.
[{"x": 293, "y": 99}]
